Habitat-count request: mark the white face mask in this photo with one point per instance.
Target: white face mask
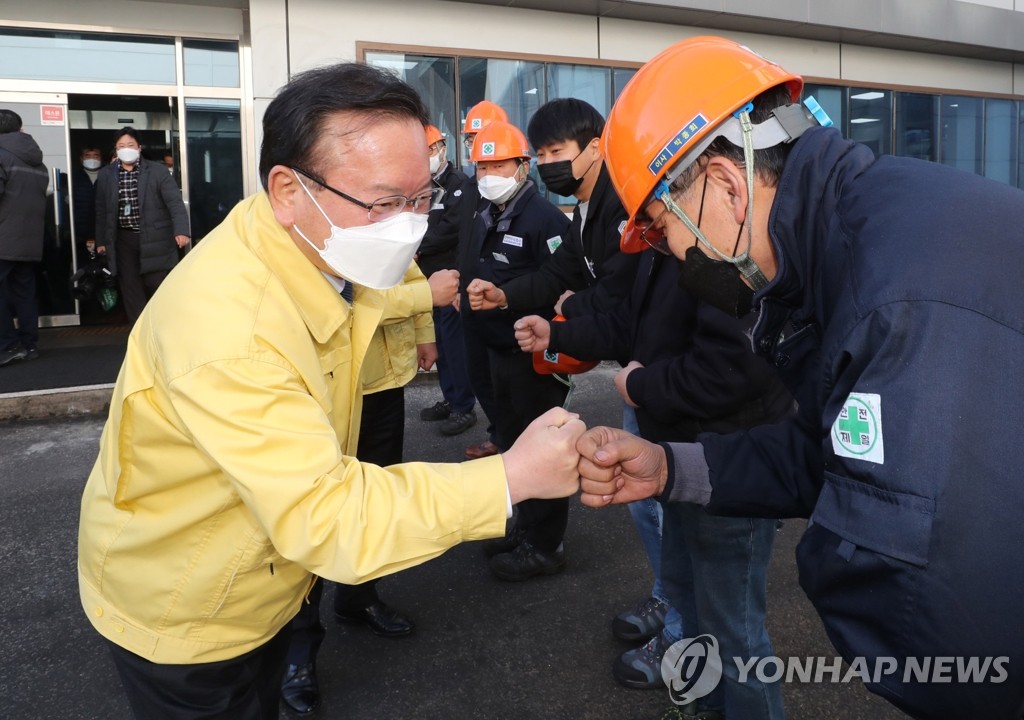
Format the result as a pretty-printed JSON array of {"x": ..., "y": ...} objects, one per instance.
[
  {"x": 127, "y": 155},
  {"x": 435, "y": 163},
  {"x": 91, "y": 164},
  {"x": 375, "y": 255},
  {"x": 498, "y": 189}
]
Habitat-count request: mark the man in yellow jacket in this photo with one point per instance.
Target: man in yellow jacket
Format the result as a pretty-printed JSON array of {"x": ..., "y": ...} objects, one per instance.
[{"x": 224, "y": 483}]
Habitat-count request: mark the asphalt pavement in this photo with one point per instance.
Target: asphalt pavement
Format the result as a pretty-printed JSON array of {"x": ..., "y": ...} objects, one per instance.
[{"x": 483, "y": 649}]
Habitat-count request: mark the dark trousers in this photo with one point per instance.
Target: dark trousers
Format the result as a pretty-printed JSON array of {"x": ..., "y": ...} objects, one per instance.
[
  {"x": 136, "y": 287},
  {"x": 521, "y": 395},
  {"x": 248, "y": 686},
  {"x": 452, "y": 372},
  {"x": 478, "y": 369},
  {"x": 18, "y": 299},
  {"x": 381, "y": 436}
]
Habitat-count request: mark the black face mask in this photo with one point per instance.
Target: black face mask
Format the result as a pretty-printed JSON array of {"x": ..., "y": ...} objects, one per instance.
[
  {"x": 558, "y": 177},
  {"x": 716, "y": 282}
]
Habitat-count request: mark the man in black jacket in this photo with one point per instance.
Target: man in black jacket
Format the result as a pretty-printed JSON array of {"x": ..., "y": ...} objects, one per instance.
[
  {"x": 438, "y": 252},
  {"x": 691, "y": 370},
  {"x": 23, "y": 181},
  {"x": 141, "y": 221},
  {"x": 586, "y": 273}
]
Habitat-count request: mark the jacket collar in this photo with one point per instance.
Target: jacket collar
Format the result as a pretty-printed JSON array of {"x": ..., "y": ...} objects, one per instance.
[{"x": 321, "y": 307}]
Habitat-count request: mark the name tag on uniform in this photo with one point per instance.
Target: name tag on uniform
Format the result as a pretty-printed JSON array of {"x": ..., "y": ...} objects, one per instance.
[
  {"x": 500, "y": 258},
  {"x": 513, "y": 240},
  {"x": 437, "y": 206}
]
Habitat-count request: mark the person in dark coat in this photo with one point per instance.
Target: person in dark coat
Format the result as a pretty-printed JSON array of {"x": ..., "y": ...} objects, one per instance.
[
  {"x": 690, "y": 370},
  {"x": 23, "y": 182},
  {"x": 889, "y": 298},
  {"x": 437, "y": 252},
  {"x": 514, "y": 232},
  {"x": 141, "y": 221}
]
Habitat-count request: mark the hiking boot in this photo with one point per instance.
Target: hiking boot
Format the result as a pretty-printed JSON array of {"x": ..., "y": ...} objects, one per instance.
[
  {"x": 438, "y": 411},
  {"x": 458, "y": 423},
  {"x": 641, "y": 667},
  {"x": 642, "y": 622},
  {"x": 526, "y": 562}
]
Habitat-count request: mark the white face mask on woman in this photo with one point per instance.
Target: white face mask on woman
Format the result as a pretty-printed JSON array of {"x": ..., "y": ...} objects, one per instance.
[
  {"x": 499, "y": 190},
  {"x": 375, "y": 255}
]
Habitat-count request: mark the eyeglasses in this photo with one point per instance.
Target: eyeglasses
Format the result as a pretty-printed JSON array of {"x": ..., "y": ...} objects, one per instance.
[
  {"x": 649, "y": 232},
  {"x": 386, "y": 207}
]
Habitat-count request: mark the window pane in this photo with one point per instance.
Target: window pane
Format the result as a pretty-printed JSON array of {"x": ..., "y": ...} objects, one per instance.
[
  {"x": 90, "y": 57},
  {"x": 214, "y": 146},
  {"x": 210, "y": 62},
  {"x": 871, "y": 118},
  {"x": 962, "y": 129},
  {"x": 434, "y": 79},
  {"x": 917, "y": 116},
  {"x": 621, "y": 76},
  {"x": 584, "y": 82},
  {"x": 833, "y": 101},
  {"x": 1001, "y": 140},
  {"x": 517, "y": 85}
]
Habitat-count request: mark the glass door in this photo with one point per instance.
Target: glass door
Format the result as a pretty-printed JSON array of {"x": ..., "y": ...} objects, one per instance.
[{"x": 44, "y": 116}]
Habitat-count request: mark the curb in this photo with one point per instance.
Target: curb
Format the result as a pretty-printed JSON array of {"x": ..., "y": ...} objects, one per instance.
[
  {"x": 87, "y": 400},
  {"x": 57, "y": 403}
]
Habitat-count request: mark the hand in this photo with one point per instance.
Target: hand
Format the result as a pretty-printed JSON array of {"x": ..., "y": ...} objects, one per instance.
[
  {"x": 457, "y": 303},
  {"x": 426, "y": 355},
  {"x": 620, "y": 381},
  {"x": 562, "y": 299},
  {"x": 543, "y": 463},
  {"x": 485, "y": 295},
  {"x": 616, "y": 467},
  {"x": 533, "y": 333},
  {"x": 101, "y": 249},
  {"x": 444, "y": 287},
  {"x": 182, "y": 240}
]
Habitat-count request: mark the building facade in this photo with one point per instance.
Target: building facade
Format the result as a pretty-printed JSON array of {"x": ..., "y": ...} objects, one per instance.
[{"x": 937, "y": 79}]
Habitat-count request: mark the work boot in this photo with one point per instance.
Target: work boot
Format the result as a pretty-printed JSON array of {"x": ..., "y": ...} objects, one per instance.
[
  {"x": 642, "y": 622},
  {"x": 438, "y": 411}
]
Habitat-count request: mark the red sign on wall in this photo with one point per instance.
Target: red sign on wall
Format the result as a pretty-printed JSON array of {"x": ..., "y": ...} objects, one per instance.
[{"x": 51, "y": 114}]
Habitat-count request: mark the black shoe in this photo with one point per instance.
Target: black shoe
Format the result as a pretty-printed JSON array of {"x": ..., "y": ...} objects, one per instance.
[
  {"x": 438, "y": 411},
  {"x": 526, "y": 562},
  {"x": 380, "y": 618},
  {"x": 458, "y": 423},
  {"x": 507, "y": 544},
  {"x": 32, "y": 354},
  {"x": 299, "y": 688},
  {"x": 13, "y": 355}
]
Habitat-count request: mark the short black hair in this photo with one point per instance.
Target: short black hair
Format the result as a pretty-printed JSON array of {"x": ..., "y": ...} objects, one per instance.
[
  {"x": 130, "y": 132},
  {"x": 562, "y": 120},
  {"x": 89, "y": 148},
  {"x": 10, "y": 121},
  {"x": 294, "y": 121}
]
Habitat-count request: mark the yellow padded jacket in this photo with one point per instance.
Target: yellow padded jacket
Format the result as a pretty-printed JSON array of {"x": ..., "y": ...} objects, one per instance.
[{"x": 223, "y": 481}]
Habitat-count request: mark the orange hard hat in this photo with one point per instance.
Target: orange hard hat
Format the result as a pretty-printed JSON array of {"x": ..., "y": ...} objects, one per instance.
[
  {"x": 499, "y": 141},
  {"x": 546, "y": 362},
  {"x": 673, "y": 102},
  {"x": 433, "y": 135},
  {"x": 481, "y": 115}
]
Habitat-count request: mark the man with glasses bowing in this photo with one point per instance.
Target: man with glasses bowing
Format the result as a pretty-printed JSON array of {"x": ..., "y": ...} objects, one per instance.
[{"x": 225, "y": 481}]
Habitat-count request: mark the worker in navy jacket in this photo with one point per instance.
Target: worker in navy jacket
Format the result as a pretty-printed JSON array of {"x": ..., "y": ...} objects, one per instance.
[
  {"x": 514, "y": 232},
  {"x": 889, "y": 298}
]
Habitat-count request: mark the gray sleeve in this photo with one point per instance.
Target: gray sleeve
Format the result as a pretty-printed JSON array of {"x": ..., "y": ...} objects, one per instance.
[{"x": 688, "y": 477}]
